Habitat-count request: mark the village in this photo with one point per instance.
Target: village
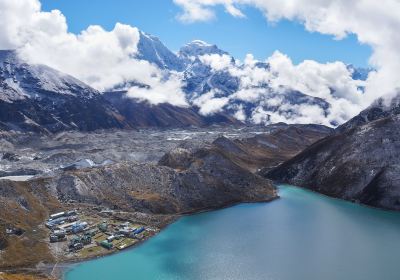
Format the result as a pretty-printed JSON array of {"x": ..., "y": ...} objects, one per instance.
[{"x": 77, "y": 234}]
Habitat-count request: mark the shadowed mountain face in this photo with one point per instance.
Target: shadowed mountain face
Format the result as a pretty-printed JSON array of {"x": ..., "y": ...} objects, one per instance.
[
  {"x": 360, "y": 162},
  {"x": 380, "y": 109},
  {"x": 142, "y": 114},
  {"x": 66, "y": 113},
  {"x": 38, "y": 98}
]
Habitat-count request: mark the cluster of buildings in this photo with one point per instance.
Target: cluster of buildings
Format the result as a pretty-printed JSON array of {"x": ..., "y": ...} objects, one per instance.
[
  {"x": 82, "y": 234},
  {"x": 118, "y": 232},
  {"x": 60, "y": 219},
  {"x": 64, "y": 223},
  {"x": 78, "y": 242}
]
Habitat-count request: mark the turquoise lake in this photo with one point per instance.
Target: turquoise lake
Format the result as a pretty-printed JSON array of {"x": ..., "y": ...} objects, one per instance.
[{"x": 302, "y": 236}]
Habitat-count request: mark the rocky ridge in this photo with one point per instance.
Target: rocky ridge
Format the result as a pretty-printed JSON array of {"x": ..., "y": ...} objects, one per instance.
[{"x": 359, "y": 162}]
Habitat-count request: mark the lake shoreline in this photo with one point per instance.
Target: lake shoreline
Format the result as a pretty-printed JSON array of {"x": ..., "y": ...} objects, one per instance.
[
  {"x": 290, "y": 222},
  {"x": 64, "y": 267},
  {"x": 57, "y": 271},
  {"x": 339, "y": 198},
  {"x": 165, "y": 226}
]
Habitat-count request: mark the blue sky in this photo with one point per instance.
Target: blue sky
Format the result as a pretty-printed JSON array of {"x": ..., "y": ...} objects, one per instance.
[{"x": 238, "y": 36}]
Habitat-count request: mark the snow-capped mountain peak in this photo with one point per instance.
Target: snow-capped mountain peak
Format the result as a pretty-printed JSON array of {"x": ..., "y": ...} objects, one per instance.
[
  {"x": 200, "y": 43},
  {"x": 198, "y": 48},
  {"x": 151, "y": 49}
]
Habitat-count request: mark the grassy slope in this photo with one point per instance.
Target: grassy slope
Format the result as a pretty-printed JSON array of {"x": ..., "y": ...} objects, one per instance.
[{"x": 24, "y": 206}]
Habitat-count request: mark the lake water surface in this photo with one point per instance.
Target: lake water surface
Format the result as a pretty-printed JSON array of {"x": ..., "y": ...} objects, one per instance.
[{"x": 302, "y": 236}]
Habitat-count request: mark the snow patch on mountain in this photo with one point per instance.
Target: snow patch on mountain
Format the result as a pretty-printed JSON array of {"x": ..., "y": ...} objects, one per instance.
[
  {"x": 198, "y": 48},
  {"x": 20, "y": 80}
]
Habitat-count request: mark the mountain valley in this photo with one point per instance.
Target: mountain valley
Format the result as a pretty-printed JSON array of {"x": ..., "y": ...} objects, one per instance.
[
  {"x": 148, "y": 182},
  {"x": 115, "y": 157}
]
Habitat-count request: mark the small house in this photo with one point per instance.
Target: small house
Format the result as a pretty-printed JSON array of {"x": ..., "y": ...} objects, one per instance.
[
  {"x": 110, "y": 238},
  {"x": 106, "y": 244},
  {"x": 57, "y": 215}
]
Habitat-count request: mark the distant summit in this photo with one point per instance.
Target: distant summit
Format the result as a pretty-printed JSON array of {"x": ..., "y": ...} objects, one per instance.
[
  {"x": 198, "y": 48},
  {"x": 151, "y": 49}
]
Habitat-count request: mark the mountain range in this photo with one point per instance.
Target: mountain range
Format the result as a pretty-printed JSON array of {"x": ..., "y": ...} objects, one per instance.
[{"x": 41, "y": 99}]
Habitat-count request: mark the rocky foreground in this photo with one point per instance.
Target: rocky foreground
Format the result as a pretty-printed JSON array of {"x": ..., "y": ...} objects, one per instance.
[
  {"x": 190, "y": 178},
  {"x": 360, "y": 162}
]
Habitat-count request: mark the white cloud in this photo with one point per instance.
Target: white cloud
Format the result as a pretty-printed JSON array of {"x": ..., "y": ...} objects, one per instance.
[
  {"x": 292, "y": 114},
  {"x": 375, "y": 23},
  {"x": 250, "y": 74},
  {"x": 316, "y": 79},
  {"x": 217, "y": 62},
  {"x": 270, "y": 91},
  {"x": 209, "y": 104},
  {"x": 98, "y": 57},
  {"x": 161, "y": 91},
  {"x": 197, "y": 12},
  {"x": 200, "y": 11},
  {"x": 331, "y": 82},
  {"x": 240, "y": 114}
]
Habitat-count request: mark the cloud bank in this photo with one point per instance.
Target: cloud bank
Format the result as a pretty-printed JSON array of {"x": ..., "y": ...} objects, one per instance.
[
  {"x": 375, "y": 23},
  {"x": 273, "y": 87},
  {"x": 98, "y": 57}
]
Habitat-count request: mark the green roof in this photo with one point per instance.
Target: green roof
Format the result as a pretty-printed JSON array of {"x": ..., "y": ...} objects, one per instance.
[{"x": 106, "y": 244}]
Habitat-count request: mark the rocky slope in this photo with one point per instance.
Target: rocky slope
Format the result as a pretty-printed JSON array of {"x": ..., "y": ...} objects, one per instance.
[
  {"x": 360, "y": 162},
  {"x": 265, "y": 150},
  {"x": 24, "y": 207},
  {"x": 212, "y": 181}
]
